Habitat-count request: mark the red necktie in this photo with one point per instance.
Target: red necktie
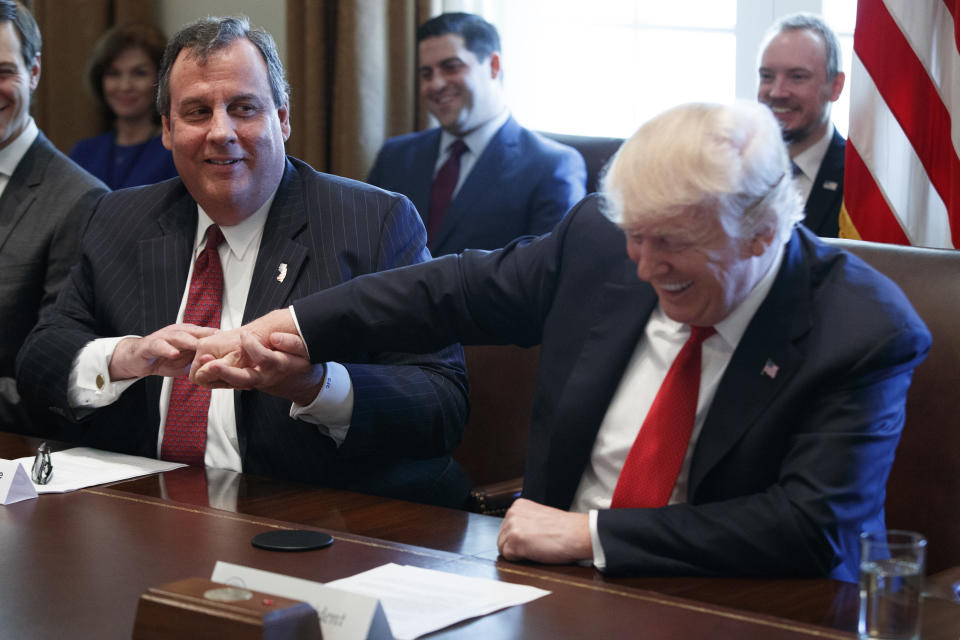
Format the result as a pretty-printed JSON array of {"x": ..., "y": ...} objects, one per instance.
[
  {"x": 185, "y": 434},
  {"x": 443, "y": 185},
  {"x": 653, "y": 464}
]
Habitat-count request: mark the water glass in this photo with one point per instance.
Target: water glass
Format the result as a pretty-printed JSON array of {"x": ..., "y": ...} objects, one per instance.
[{"x": 891, "y": 581}]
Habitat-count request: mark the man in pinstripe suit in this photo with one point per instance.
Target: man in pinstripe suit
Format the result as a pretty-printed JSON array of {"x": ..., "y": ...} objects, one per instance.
[{"x": 107, "y": 354}]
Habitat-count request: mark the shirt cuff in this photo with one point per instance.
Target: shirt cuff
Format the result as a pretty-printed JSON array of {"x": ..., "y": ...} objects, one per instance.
[
  {"x": 332, "y": 409},
  {"x": 296, "y": 323},
  {"x": 89, "y": 385},
  {"x": 599, "y": 559}
]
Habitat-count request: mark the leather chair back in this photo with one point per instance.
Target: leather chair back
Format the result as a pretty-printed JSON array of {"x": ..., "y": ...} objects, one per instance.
[
  {"x": 923, "y": 492},
  {"x": 502, "y": 378},
  {"x": 596, "y": 153}
]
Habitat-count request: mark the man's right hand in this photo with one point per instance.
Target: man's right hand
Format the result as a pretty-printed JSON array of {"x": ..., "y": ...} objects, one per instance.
[{"x": 167, "y": 352}]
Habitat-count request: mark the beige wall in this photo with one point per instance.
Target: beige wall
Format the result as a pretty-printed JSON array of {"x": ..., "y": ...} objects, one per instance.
[{"x": 269, "y": 14}]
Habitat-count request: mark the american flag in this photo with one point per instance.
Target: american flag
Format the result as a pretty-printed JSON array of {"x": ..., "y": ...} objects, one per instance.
[
  {"x": 770, "y": 369},
  {"x": 902, "y": 174}
]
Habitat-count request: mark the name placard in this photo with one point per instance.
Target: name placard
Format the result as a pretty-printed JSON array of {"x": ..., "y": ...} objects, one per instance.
[
  {"x": 15, "y": 483},
  {"x": 343, "y": 615}
]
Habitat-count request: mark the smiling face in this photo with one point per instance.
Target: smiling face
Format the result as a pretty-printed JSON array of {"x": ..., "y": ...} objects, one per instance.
[
  {"x": 699, "y": 272},
  {"x": 129, "y": 84},
  {"x": 460, "y": 91},
  {"x": 793, "y": 83},
  {"x": 17, "y": 82},
  {"x": 225, "y": 132}
]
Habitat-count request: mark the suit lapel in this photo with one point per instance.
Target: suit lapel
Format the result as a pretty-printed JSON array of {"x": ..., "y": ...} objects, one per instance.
[
  {"x": 20, "y": 192},
  {"x": 280, "y": 260},
  {"x": 499, "y": 153},
  {"x": 823, "y": 204},
  {"x": 621, "y": 316},
  {"x": 747, "y": 389}
]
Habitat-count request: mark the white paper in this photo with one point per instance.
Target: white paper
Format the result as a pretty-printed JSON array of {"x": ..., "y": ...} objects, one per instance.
[
  {"x": 84, "y": 467},
  {"x": 418, "y": 601},
  {"x": 343, "y": 615},
  {"x": 15, "y": 483}
]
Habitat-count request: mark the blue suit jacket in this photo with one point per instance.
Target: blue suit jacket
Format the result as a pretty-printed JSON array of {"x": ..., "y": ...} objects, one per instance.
[
  {"x": 823, "y": 204},
  {"x": 150, "y": 164},
  {"x": 130, "y": 281},
  {"x": 522, "y": 184},
  {"x": 787, "y": 470}
]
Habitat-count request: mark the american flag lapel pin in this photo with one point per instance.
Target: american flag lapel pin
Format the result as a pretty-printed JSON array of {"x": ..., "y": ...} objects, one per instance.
[
  {"x": 281, "y": 271},
  {"x": 770, "y": 369},
  {"x": 830, "y": 185}
]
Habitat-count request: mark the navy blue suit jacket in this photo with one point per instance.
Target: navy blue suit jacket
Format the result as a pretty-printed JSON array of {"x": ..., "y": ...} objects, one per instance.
[
  {"x": 823, "y": 204},
  {"x": 522, "y": 184},
  {"x": 787, "y": 470},
  {"x": 130, "y": 280},
  {"x": 150, "y": 163}
]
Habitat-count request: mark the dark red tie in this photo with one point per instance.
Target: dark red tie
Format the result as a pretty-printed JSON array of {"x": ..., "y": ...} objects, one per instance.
[
  {"x": 653, "y": 464},
  {"x": 185, "y": 434},
  {"x": 443, "y": 185}
]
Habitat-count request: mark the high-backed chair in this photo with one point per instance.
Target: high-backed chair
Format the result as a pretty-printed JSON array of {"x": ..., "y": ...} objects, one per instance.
[
  {"x": 494, "y": 442},
  {"x": 596, "y": 152},
  {"x": 923, "y": 493}
]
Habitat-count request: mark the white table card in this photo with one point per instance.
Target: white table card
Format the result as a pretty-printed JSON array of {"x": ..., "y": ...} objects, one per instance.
[
  {"x": 15, "y": 483},
  {"x": 343, "y": 615}
]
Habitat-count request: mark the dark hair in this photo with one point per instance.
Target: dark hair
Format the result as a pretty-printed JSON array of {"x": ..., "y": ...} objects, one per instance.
[
  {"x": 479, "y": 36},
  {"x": 114, "y": 42},
  {"x": 27, "y": 29},
  {"x": 813, "y": 22},
  {"x": 208, "y": 35}
]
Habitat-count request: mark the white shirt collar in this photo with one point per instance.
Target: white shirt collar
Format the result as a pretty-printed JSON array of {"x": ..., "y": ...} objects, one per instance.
[
  {"x": 809, "y": 159},
  {"x": 12, "y": 154},
  {"x": 238, "y": 237},
  {"x": 478, "y": 139}
]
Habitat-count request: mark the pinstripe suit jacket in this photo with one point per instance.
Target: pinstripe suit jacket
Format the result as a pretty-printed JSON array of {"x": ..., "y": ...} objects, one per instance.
[
  {"x": 43, "y": 210},
  {"x": 130, "y": 280}
]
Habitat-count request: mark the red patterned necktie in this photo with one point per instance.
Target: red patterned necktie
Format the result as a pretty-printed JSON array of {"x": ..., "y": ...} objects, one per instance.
[
  {"x": 653, "y": 464},
  {"x": 185, "y": 434},
  {"x": 443, "y": 185}
]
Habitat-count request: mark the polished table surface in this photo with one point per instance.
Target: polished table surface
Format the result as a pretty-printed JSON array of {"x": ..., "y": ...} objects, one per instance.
[{"x": 82, "y": 560}]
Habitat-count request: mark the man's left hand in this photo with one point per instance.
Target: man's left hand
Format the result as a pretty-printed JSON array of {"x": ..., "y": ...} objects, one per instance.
[{"x": 532, "y": 531}]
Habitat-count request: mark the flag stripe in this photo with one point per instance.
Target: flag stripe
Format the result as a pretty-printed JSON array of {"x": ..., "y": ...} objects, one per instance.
[
  {"x": 890, "y": 159},
  {"x": 911, "y": 96},
  {"x": 860, "y": 188},
  {"x": 956, "y": 21}
]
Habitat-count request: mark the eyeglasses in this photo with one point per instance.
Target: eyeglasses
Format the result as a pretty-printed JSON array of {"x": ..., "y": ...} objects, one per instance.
[{"x": 42, "y": 467}]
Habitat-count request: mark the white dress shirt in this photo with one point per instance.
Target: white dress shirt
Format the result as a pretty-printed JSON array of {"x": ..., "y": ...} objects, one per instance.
[
  {"x": 12, "y": 154},
  {"x": 90, "y": 387},
  {"x": 476, "y": 141},
  {"x": 809, "y": 161},
  {"x": 656, "y": 350}
]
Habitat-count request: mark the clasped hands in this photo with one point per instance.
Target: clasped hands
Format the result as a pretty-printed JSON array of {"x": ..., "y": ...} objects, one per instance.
[{"x": 266, "y": 354}]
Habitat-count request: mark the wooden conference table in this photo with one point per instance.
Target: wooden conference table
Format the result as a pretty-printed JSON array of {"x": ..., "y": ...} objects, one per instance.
[{"x": 75, "y": 565}]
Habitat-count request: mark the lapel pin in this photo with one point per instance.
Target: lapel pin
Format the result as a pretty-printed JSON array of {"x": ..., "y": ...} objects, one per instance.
[
  {"x": 281, "y": 271},
  {"x": 770, "y": 369},
  {"x": 830, "y": 185}
]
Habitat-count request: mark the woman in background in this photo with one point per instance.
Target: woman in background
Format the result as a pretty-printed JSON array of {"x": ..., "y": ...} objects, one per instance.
[{"x": 122, "y": 73}]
